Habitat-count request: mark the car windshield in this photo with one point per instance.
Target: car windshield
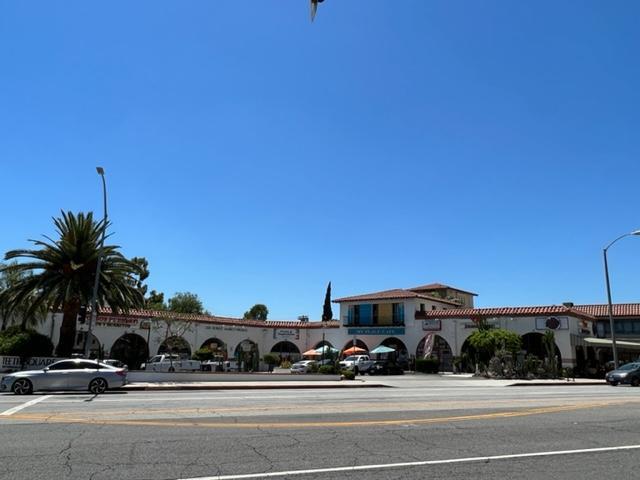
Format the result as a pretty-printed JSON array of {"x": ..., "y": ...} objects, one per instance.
[
  {"x": 630, "y": 366},
  {"x": 351, "y": 358}
]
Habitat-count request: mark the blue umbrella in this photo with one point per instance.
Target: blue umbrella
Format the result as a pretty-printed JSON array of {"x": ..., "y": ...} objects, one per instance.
[{"x": 382, "y": 349}]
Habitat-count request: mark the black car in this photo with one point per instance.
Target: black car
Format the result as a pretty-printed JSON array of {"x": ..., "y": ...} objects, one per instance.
[
  {"x": 629, "y": 373},
  {"x": 385, "y": 368}
]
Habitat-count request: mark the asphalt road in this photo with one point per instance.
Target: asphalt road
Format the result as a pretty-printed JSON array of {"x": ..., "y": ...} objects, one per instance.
[{"x": 413, "y": 431}]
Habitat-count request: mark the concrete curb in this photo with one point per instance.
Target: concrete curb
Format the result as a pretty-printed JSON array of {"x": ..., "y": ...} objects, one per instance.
[
  {"x": 255, "y": 386},
  {"x": 557, "y": 384}
]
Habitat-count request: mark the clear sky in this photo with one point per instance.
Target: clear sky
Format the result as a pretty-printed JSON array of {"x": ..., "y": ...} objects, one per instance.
[{"x": 252, "y": 156}]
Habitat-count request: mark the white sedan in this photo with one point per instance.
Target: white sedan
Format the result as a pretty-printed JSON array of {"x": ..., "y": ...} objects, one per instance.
[
  {"x": 303, "y": 366},
  {"x": 77, "y": 374}
]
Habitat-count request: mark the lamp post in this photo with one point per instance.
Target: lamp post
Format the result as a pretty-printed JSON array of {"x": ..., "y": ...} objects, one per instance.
[
  {"x": 610, "y": 306},
  {"x": 96, "y": 282}
]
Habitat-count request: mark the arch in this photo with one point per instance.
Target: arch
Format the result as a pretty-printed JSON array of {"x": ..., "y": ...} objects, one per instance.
[
  {"x": 322, "y": 343},
  {"x": 177, "y": 345},
  {"x": 532, "y": 344},
  {"x": 216, "y": 345},
  {"x": 440, "y": 350},
  {"x": 131, "y": 349},
  {"x": 359, "y": 344},
  {"x": 96, "y": 349},
  {"x": 401, "y": 354},
  {"x": 468, "y": 357},
  {"x": 247, "y": 354},
  {"x": 286, "y": 351}
]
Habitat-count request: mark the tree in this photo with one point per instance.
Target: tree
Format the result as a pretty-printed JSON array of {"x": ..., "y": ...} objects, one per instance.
[
  {"x": 143, "y": 265},
  {"x": 186, "y": 302},
  {"x": 257, "y": 312},
  {"x": 155, "y": 301},
  {"x": 486, "y": 341},
  {"x": 60, "y": 275},
  {"x": 327, "y": 313},
  {"x": 8, "y": 279}
]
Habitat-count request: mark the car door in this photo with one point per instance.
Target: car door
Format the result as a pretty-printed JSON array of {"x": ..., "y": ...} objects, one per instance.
[
  {"x": 81, "y": 375},
  {"x": 57, "y": 375}
]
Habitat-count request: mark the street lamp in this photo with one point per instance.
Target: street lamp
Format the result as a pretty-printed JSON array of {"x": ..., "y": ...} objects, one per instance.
[
  {"x": 606, "y": 276},
  {"x": 96, "y": 282}
]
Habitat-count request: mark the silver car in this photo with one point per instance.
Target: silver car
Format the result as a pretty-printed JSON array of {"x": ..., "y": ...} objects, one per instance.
[{"x": 75, "y": 374}]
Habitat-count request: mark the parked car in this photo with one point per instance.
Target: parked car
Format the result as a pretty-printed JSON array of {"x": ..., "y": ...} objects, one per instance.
[
  {"x": 171, "y": 363},
  {"x": 629, "y": 373},
  {"x": 303, "y": 366},
  {"x": 360, "y": 364},
  {"x": 75, "y": 374},
  {"x": 385, "y": 368}
]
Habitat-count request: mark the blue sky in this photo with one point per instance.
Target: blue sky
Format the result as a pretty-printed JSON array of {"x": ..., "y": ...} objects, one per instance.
[{"x": 252, "y": 156}]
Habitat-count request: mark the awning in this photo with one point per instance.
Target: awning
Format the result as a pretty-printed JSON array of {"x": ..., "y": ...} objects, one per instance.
[
  {"x": 382, "y": 349},
  {"x": 606, "y": 342}
]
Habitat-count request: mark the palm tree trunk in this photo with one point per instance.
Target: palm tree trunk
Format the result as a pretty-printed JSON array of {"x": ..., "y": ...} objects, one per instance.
[{"x": 68, "y": 329}]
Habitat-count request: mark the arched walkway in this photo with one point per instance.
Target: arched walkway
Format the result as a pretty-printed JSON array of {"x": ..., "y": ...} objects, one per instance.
[
  {"x": 322, "y": 343},
  {"x": 286, "y": 351},
  {"x": 131, "y": 349},
  {"x": 247, "y": 355},
  {"x": 440, "y": 349},
  {"x": 176, "y": 345},
  {"x": 532, "y": 344},
  {"x": 95, "y": 349},
  {"x": 468, "y": 357},
  {"x": 217, "y": 346},
  {"x": 401, "y": 354}
]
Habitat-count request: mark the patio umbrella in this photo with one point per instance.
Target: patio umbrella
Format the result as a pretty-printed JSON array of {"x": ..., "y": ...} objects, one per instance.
[
  {"x": 354, "y": 350},
  {"x": 326, "y": 349},
  {"x": 311, "y": 353},
  {"x": 382, "y": 349}
]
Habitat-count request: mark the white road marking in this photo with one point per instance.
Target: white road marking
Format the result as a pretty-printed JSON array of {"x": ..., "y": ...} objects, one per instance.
[
  {"x": 416, "y": 464},
  {"x": 13, "y": 410}
]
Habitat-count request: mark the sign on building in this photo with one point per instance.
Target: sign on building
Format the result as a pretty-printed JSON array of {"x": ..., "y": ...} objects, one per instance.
[
  {"x": 286, "y": 334},
  {"x": 552, "y": 323},
  {"x": 432, "y": 325}
]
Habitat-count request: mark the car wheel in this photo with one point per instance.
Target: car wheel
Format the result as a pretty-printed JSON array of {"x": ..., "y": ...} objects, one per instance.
[
  {"x": 635, "y": 381},
  {"x": 613, "y": 384},
  {"x": 171, "y": 369},
  {"x": 98, "y": 386},
  {"x": 22, "y": 386}
]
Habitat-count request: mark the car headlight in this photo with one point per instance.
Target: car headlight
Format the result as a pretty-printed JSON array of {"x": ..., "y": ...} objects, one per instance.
[{"x": 622, "y": 375}]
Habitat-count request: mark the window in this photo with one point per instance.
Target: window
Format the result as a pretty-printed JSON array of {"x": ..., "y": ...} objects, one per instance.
[
  {"x": 398, "y": 313},
  {"x": 354, "y": 315},
  {"x": 375, "y": 313},
  {"x": 422, "y": 307},
  {"x": 65, "y": 365}
]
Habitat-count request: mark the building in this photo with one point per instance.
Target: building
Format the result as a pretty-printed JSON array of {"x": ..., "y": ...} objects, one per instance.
[{"x": 435, "y": 318}]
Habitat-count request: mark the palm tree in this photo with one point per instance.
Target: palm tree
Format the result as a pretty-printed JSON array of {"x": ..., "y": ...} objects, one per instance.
[{"x": 60, "y": 275}]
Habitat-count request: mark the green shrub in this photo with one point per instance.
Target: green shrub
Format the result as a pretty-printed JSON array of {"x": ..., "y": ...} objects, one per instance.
[
  {"x": 271, "y": 359},
  {"x": 327, "y": 370},
  {"x": 203, "y": 354},
  {"x": 427, "y": 365},
  {"x": 24, "y": 343},
  {"x": 348, "y": 374}
]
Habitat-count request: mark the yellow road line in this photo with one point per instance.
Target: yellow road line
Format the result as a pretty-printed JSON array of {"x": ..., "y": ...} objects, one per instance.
[{"x": 333, "y": 424}]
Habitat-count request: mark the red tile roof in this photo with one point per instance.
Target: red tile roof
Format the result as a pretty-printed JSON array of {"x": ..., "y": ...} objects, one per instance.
[
  {"x": 439, "y": 286},
  {"x": 619, "y": 310},
  {"x": 220, "y": 320},
  {"x": 395, "y": 294},
  {"x": 476, "y": 313}
]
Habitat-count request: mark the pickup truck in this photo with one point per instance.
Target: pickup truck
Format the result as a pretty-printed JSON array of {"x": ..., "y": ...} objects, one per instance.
[
  {"x": 171, "y": 363},
  {"x": 358, "y": 363}
]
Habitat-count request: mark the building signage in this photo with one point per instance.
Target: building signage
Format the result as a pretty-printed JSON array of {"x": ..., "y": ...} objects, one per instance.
[
  {"x": 105, "y": 321},
  {"x": 10, "y": 364},
  {"x": 376, "y": 331},
  {"x": 286, "y": 334},
  {"x": 432, "y": 325},
  {"x": 552, "y": 323}
]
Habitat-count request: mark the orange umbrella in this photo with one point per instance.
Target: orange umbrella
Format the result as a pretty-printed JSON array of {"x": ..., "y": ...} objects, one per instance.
[
  {"x": 354, "y": 350},
  {"x": 311, "y": 353}
]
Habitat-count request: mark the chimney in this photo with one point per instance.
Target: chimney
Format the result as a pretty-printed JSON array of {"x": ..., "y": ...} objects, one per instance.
[{"x": 568, "y": 304}]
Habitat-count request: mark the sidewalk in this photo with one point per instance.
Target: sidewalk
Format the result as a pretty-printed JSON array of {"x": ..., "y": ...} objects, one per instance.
[{"x": 410, "y": 380}]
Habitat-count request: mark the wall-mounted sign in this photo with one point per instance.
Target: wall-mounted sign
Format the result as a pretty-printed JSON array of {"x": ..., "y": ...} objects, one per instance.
[
  {"x": 432, "y": 325},
  {"x": 105, "y": 321},
  {"x": 376, "y": 331},
  {"x": 552, "y": 323},
  {"x": 286, "y": 334}
]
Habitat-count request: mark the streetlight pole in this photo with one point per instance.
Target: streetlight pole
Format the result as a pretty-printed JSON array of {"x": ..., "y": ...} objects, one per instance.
[
  {"x": 96, "y": 282},
  {"x": 610, "y": 305}
]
